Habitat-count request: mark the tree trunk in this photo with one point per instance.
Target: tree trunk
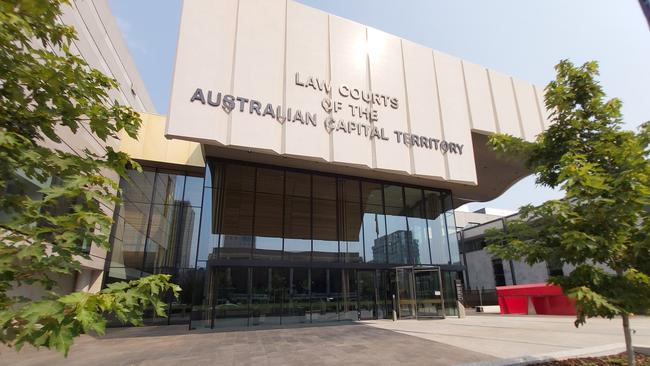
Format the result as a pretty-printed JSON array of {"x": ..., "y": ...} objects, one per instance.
[{"x": 628, "y": 340}]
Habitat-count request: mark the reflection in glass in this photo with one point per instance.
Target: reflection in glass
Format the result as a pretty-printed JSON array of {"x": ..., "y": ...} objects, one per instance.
[
  {"x": 209, "y": 221},
  {"x": 267, "y": 243},
  {"x": 163, "y": 231},
  {"x": 168, "y": 187},
  {"x": 367, "y": 295},
  {"x": 405, "y": 293},
  {"x": 297, "y": 228},
  {"x": 436, "y": 227},
  {"x": 351, "y": 233},
  {"x": 417, "y": 225},
  {"x": 398, "y": 240},
  {"x": 325, "y": 289},
  {"x": 139, "y": 186},
  {"x": 325, "y": 243},
  {"x": 297, "y": 305},
  {"x": 193, "y": 190},
  {"x": 268, "y": 290},
  {"x": 374, "y": 234},
  {"x": 348, "y": 297},
  {"x": 230, "y": 307},
  {"x": 449, "y": 292},
  {"x": 237, "y": 225},
  {"x": 188, "y": 237},
  {"x": 451, "y": 229},
  {"x": 127, "y": 254},
  {"x": 429, "y": 297}
]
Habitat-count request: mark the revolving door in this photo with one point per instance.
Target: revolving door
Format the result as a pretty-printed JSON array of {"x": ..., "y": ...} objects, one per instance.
[{"x": 419, "y": 292}]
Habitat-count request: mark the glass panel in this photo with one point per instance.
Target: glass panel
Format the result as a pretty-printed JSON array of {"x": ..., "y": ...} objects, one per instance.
[
  {"x": 240, "y": 177},
  {"x": 386, "y": 289},
  {"x": 166, "y": 226},
  {"x": 169, "y": 188},
  {"x": 325, "y": 243},
  {"x": 209, "y": 224},
  {"x": 417, "y": 225},
  {"x": 298, "y": 184},
  {"x": 128, "y": 253},
  {"x": 190, "y": 237},
  {"x": 324, "y": 187},
  {"x": 428, "y": 293},
  {"x": 351, "y": 232},
  {"x": 371, "y": 194},
  {"x": 268, "y": 226},
  {"x": 323, "y": 300},
  {"x": 406, "y": 297},
  {"x": 179, "y": 310},
  {"x": 230, "y": 308},
  {"x": 449, "y": 292},
  {"x": 398, "y": 239},
  {"x": 193, "y": 190},
  {"x": 297, "y": 228},
  {"x": 267, "y": 293},
  {"x": 296, "y": 306},
  {"x": 374, "y": 234},
  {"x": 451, "y": 228},
  {"x": 348, "y": 298},
  {"x": 349, "y": 189},
  {"x": 270, "y": 181},
  {"x": 237, "y": 225},
  {"x": 436, "y": 228},
  {"x": 367, "y": 294},
  {"x": 139, "y": 186}
]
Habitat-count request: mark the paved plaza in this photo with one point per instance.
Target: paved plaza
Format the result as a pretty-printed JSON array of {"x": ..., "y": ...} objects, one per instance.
[
  {"x": 479, "y": 338},
  {"x": 514, "y": 336}
]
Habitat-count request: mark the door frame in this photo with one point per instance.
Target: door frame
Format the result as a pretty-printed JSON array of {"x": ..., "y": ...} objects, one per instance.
[{"x": 411, "y": 274}]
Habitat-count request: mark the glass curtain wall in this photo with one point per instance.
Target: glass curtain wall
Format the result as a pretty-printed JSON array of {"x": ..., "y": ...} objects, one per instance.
[
  {"x": 156, "y": 230},
  {"x": 265, "y": 213},
  {"x": 320, "y": 228}
]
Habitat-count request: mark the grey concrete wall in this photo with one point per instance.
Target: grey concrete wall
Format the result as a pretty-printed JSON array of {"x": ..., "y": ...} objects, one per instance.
[
  {"x": 479, "y": 270},
  {"x": 480, "y": 273},
  {"x": 525, "y": 274}
]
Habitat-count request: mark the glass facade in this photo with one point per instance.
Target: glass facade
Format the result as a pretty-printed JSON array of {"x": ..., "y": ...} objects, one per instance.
[{"x": 259, "y": 245}]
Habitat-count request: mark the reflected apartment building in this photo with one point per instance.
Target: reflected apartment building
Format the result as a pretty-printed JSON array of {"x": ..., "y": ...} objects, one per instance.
[{"x": 308, "y": 167}]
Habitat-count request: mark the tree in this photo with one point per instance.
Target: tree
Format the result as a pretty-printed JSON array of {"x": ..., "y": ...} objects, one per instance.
[
  {"x": 45, "y": 89},
  {"x": 601, "y": 226}
]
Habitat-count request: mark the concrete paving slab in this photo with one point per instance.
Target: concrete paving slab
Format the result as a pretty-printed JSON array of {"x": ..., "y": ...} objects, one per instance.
[
  {"x": 519, "y": 336},
  {"x": 345, "y": 344}
]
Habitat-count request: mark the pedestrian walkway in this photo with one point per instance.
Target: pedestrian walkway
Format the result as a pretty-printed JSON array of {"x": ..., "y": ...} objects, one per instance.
[
  {"x": 338, "y": 344},
  {"x": 520, "y": 336}
]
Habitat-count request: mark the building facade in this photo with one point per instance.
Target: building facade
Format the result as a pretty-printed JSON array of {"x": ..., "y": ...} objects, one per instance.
[
  {"x": 100, "y": 44},
  {"x": 308, "y": 167},
  {"x": 482, "y": 271}
]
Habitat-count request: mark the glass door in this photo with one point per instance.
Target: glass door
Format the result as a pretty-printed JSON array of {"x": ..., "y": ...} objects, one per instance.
[
  {"x": 405, "y": 293},
  {"x": 428, "y": 293},
  {"x": 367, "y": 295}
]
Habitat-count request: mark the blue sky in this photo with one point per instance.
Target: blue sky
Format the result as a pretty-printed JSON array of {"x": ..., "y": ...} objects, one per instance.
[{"x": 523, "y": 38}]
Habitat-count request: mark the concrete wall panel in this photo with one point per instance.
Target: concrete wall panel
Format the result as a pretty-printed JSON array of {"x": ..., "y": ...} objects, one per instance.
[
  {"x": 423, "y": 109},
  {"x": 307, "y": 56},
  {"x": 387, "y": 80},
  {"x": 349, "y": 67},
  {"x": 455, "y": 117},
  {"x": 528, "y": 110},
  {"x": 505, "y": 104},
  {"x": 210, "y": 57},
  {"x": 479, "y": 98}
]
